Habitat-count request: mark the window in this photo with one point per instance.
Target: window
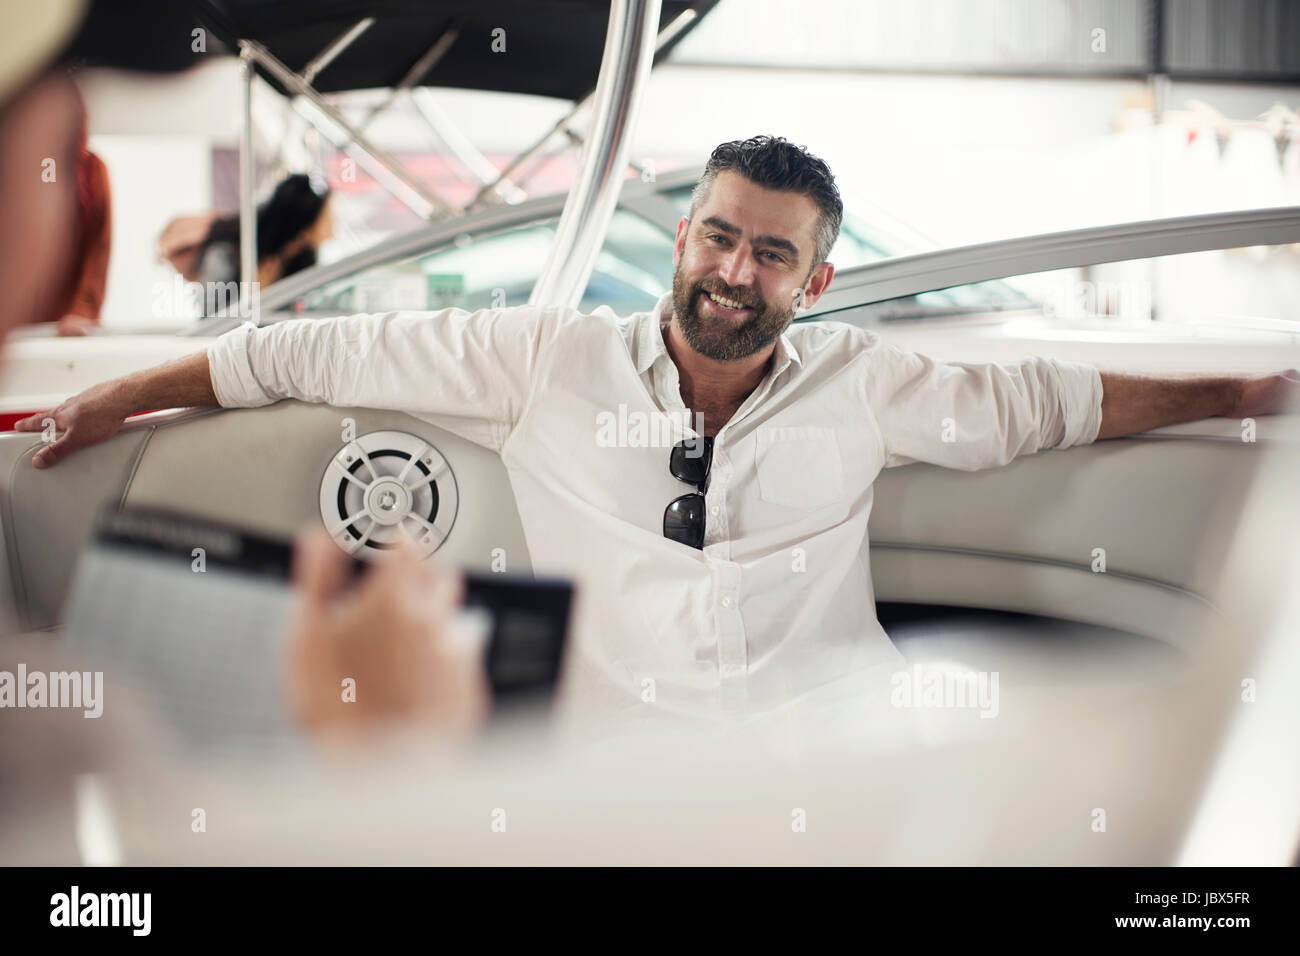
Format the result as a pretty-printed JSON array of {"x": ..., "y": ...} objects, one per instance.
[
  {"x": 491, "y": 270},
  {"x": 1256, "y": 286}
]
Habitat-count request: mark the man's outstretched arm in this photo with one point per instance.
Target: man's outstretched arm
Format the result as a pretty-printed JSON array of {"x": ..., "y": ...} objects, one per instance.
[
  {"x": 97, "y": 413},
  {"x": 1132, "y": 403},
  {"x": 470, "y": 371}
]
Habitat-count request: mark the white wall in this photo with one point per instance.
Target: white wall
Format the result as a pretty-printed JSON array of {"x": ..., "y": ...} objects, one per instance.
[{"x": 152, "y": 178}]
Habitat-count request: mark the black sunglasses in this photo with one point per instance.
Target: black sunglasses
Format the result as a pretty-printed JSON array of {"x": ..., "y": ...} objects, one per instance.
[{"x": 690, "y": 461}]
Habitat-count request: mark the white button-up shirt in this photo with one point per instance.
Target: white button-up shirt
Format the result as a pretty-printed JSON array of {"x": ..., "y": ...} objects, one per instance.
[{"x": 584, "y": 408}]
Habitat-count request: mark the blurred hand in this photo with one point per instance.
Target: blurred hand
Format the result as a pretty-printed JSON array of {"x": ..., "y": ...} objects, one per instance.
[
  {"x": 75, "y": 325},
  {"x": 390, "y": 642},
  {"x": 85, "y": 419},
  {"x": 1268, "y": 394},
  {"x": 180, "y": 242}
]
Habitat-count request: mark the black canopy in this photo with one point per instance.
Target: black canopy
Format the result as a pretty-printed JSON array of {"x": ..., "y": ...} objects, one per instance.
[{"x": 552, "y": 47}]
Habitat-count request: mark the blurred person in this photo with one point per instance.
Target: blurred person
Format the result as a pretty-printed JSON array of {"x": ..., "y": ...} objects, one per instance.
[
  {"x": 39, "y": 270},
  {"x": 291, "y": 226},
  {"x": 55, "y": 258},
  {"x": 85, "y": 293},
  {"x": 40, "y": 121},
  {"x": 792, "y": 424},
  {"x": 394, "y": 631},
  {"x": 181, "y": 242}
]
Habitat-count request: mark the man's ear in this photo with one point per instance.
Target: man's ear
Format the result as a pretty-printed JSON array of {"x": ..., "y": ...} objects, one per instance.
[
  {"x": 817, "y": 284},
  {"x": 680, "y": 242}
]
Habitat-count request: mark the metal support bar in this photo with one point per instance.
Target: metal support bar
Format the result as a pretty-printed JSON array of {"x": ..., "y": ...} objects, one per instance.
[
  {"x": 387, "y": 170},
  {"x": 477, "y": 167},
  {"x": 377, "y": 166},
  {"x": 574, "y": 139},
  {"x": 625, "y": 67},
  {"x": 295, "y": 152},
  {"x": 247, "y": 212},
  {"x": 665, "y": 36},
  {"x": 422, "y": 66},
  {"x": 328, "y": 55},
  {"x": 946, "y": 268},
  {"x": 295, "y": 123}
]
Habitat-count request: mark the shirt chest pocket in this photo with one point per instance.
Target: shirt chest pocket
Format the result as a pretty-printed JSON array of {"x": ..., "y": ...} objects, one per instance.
[{"x": 798, "y": 467}]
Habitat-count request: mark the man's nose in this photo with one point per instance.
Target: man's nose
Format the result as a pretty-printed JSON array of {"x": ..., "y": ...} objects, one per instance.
[{"x": 737, "y": 268}]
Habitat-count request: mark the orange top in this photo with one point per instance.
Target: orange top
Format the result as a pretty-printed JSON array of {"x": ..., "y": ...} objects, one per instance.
[{"x": 86, "y": 284}]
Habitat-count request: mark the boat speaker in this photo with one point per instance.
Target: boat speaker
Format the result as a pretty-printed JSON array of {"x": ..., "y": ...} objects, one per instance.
[{"x": 384, "y": 486}]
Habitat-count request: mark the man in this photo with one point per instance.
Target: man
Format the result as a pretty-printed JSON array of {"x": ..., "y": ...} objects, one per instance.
[{"x": 757, "y": 590}]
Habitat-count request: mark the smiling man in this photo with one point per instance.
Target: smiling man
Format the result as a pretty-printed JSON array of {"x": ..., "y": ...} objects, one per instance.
[
  {"x": 729, "y": 307},
  {"x": 729, "y": 567}
]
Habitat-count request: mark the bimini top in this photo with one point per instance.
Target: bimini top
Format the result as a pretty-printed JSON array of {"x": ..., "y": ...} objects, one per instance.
[{"x": 552, "y": 47}]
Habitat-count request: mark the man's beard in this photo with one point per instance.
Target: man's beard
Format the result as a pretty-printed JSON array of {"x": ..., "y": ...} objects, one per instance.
[{"x": 716, "y": 337}]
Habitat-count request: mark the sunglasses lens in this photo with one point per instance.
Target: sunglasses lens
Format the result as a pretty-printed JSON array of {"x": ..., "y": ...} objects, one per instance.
[
  {"x": 684, "y": 520},
  {"x": 690, "y": 460}
]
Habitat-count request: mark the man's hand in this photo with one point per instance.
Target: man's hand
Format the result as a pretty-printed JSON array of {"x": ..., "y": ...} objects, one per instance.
[
  {"x": 86, "y": 419},
  {"x": 1268, "y": 394},
  {"x": 98, "y": 412},
  {"x": 385, "y": 651}
]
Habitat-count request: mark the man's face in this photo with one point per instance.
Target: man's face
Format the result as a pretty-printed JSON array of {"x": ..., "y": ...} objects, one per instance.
[{"x": 753, "y": 247}]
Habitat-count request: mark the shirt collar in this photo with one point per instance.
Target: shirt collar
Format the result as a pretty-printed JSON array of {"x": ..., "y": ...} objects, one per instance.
[{"x": 651, "y": 347}]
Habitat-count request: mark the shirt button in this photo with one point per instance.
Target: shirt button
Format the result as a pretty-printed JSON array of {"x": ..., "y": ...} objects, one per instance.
[
  {"x": 714, "y": 511},
  {"x": 726, "y": 602}
]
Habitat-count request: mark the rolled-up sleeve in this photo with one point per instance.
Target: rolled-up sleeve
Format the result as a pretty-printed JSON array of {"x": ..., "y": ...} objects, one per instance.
[
  {"x": 469, "y": 372},
  {"x": 973, "y": 416}
]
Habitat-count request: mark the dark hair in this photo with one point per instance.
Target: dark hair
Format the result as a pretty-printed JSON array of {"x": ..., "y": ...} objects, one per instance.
[
  {"x": 775, "y": 163},
  {"x": 294, "y": 206}
]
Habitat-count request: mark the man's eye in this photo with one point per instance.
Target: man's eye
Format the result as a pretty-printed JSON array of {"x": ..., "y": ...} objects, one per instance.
[{"x": 773, "y": 255}]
